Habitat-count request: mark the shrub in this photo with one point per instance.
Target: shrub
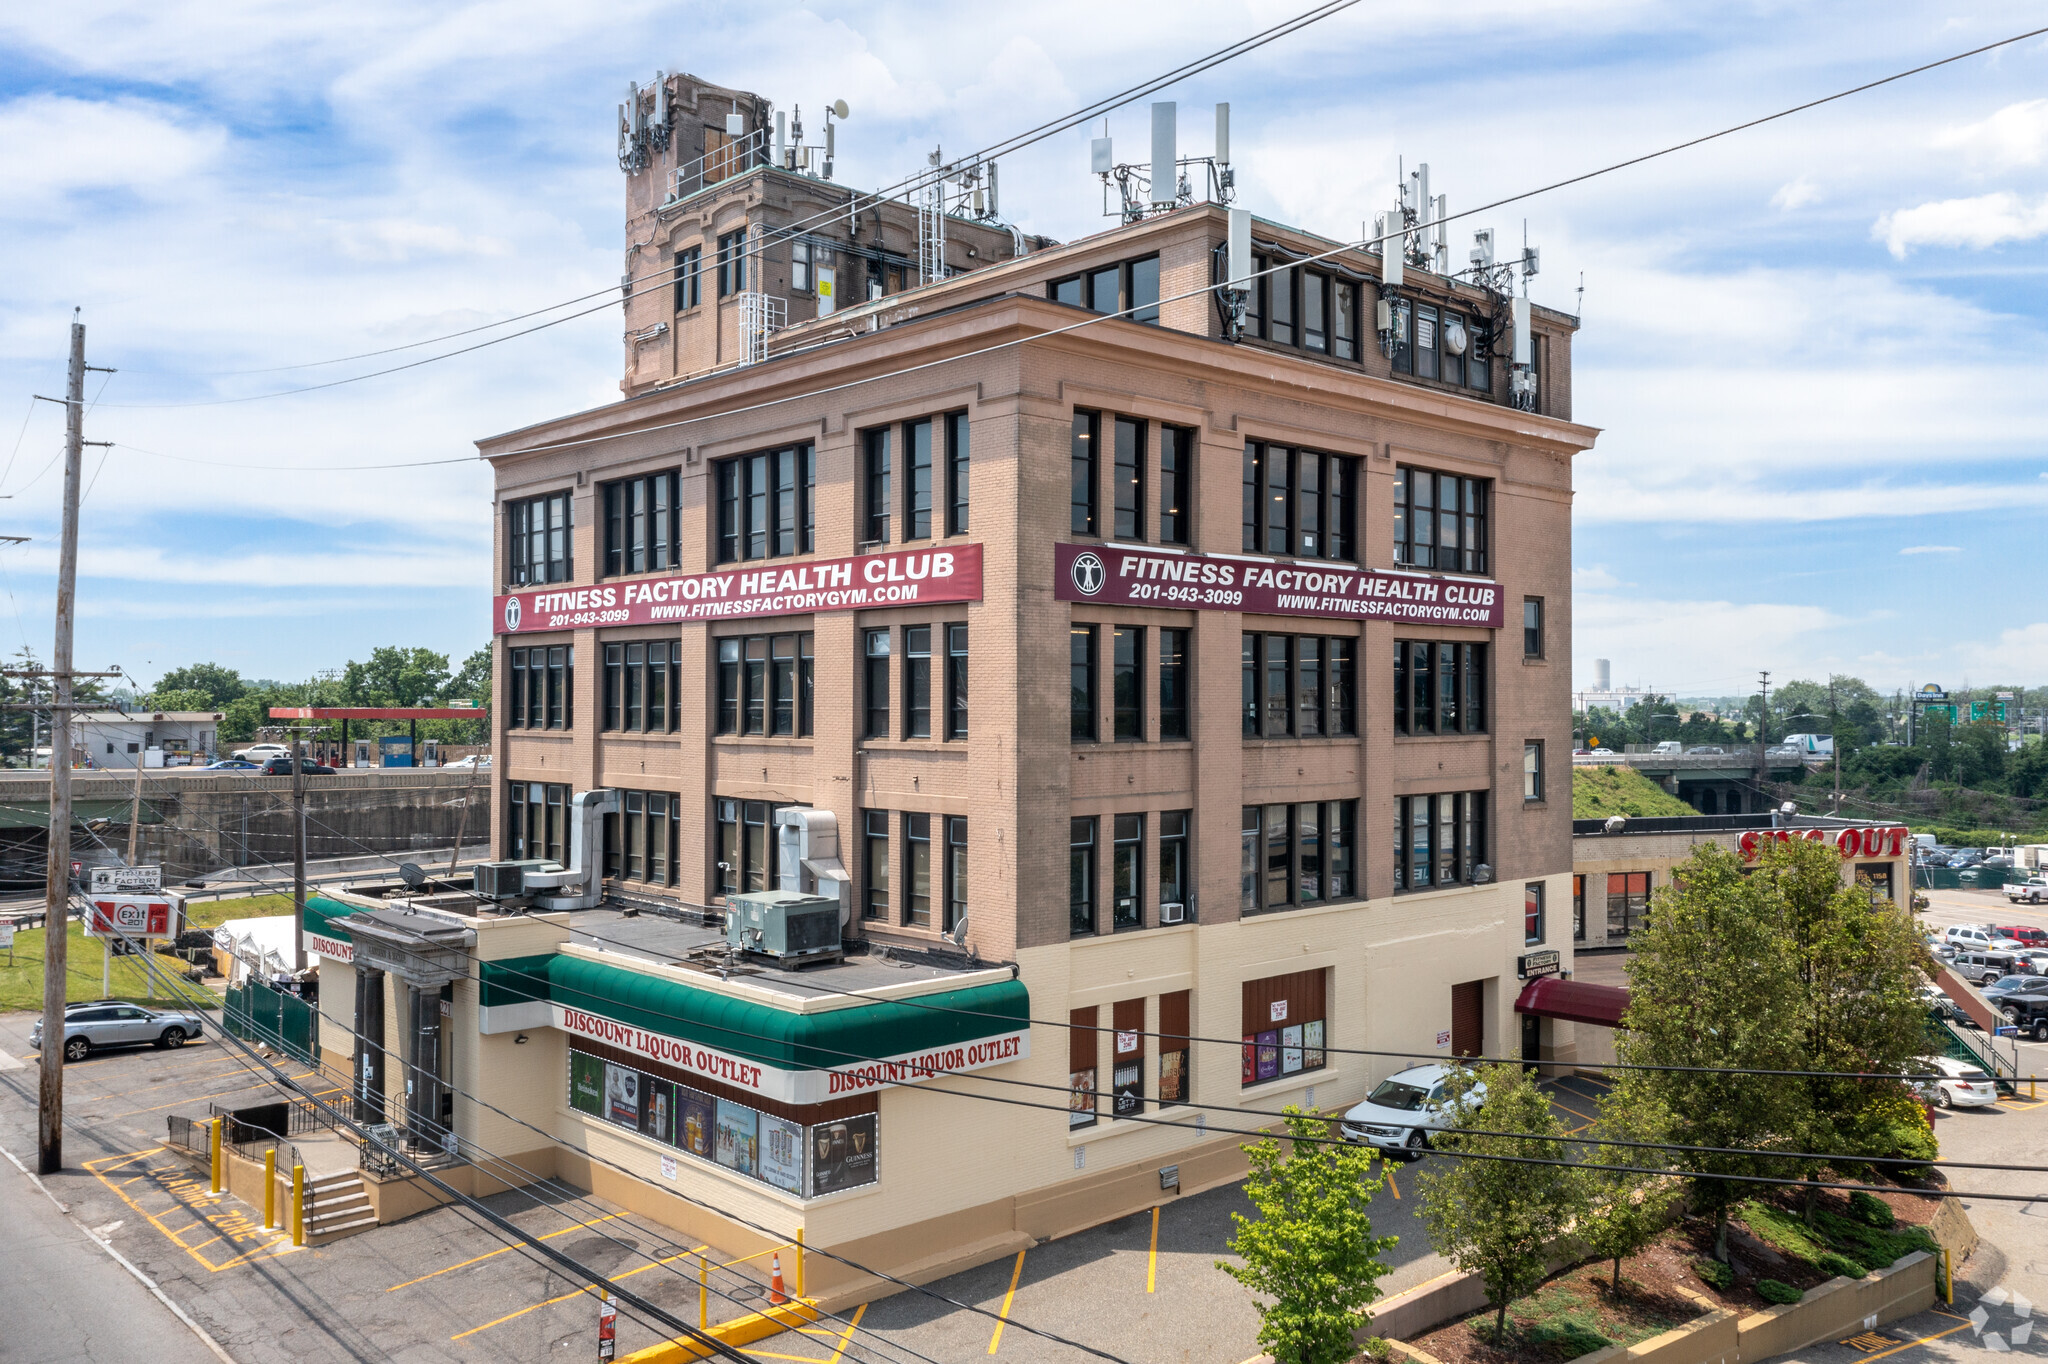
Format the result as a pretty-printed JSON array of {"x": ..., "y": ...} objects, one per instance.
[
  {"x": 1868, "y": 1245},
  {"x": 1836, "y": 1263},
  {"x": 1871, "y": 1210},
  {"x": 1377, "y": 1349},
  {"x": 1563, "y": 1339},
  {"x": 1770, "y": 1290},
  {"x": 1714, "y": 1273}
]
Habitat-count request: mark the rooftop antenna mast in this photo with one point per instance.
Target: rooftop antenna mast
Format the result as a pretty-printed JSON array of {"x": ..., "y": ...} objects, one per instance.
[{"x": 1165, "y": 183}]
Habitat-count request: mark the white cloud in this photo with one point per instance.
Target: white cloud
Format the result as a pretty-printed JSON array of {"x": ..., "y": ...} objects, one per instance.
[
  {"x": 1980, "y": 223},
  {"x": 1687, "y": 647},
  {"x": 2016, "y": 135},
  {"x": 1932, "y": 549},
  {"x": 1593, "y": 577},
  {"x": 1796, "y": 194},
  {"x": 396, "y": 240},
  {"x": 52, "y": 145},
  {"x": 2021, "y": 652}
]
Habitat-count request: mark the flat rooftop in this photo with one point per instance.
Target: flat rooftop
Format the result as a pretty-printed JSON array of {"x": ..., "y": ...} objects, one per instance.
[{"x": 667, "y": 942}]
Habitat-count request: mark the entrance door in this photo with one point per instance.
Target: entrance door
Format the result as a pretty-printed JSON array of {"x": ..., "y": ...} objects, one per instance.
[
  {"x": 1468, "y": 1022},
  {"x": 1532, "y": 1040}
]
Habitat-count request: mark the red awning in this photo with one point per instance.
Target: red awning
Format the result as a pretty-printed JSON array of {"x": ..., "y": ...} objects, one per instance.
[{"x": 1574, "y": 1001}]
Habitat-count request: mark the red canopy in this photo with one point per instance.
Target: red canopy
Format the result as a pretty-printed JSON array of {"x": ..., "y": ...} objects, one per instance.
[
  {"x": 1574, "y": 1001},
  {"x": 379, "y": 713}
]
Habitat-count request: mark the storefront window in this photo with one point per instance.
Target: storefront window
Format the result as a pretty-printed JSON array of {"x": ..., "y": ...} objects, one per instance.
[
  {"x": 1285, "y": 1026},
  {"x": 1628, "y": 902},
  {"x": 1081, "y": 1068}
]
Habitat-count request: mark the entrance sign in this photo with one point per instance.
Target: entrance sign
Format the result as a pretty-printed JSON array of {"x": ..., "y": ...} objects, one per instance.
[
  {"x": 125, "y": 880},
  {"x": 1532, "y": 964},
  {"x": 1116, "y": 576},
  {"x": 950, "y": 573}
]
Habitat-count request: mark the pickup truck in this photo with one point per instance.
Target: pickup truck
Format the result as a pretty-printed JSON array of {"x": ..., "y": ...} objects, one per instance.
[{"x": 2032, "y": 891}]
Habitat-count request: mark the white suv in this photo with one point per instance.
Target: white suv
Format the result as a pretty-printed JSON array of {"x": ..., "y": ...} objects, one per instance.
[
  {"x": 1978, "y": 936},
  {"x": 262, "y": 753},
  {"x": 1404, "y": 1108}
]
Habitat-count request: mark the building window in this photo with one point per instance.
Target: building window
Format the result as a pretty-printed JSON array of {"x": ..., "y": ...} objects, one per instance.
[
  {"x": 1301, "y": 854},
  {"x": 1081, "y": 1045},
  {"x": 1087, "y": 427},
  {"x": 917, "y": 871},
  {"x": 875, "y": 865},
  {"x": 800, "y": 267},
  {"x": 1300, "y": 685},
  {"x": 1440, "y": 520},
  {"x": 1439, "y": 840},
  {"x": 1175, "y": 869},
  {"x": 1128, "y": 475},
  {"x": 1305, "y": 308},
  {"x": 1173, "y": 684},
  {"x": 917, "y": 682},
  {"x": 1299, "y": 503},
  {"x": 875, "y": 487},
  {"x": 917, "y": 480},
  {"x": 536, "y": 825},
  {"x": 956, "y": 681},
  {"x": 956, "y": 473},
  {"x": 642, "y": 524},
  {"x": 1441, "y": 345},
  {"x": 1081, "y": 680},
  {"x": 537, "y": 536},
  {"x": 1439, "y": 688},
  {"x": 765, "y": 504},
  {"x": 1176, "y": 483},
  {"x": 1081, "y": 876},
  {"x": 1126, "y": 873},
  {"x": 956, "y": 871},
  {"x": 1532, "y": 627},
  {"x": 1285, "y": 1026},
  {"x": 639, "y": 840},
  {"x": 1127, "y": 646},
  {"x": 1127, "y": 1049},
  {"x": 747, "y": 859},
  {"x": 689, "y": 278},
  {"x": 1131, "y": 285},
  {"x": 1174, "y": 1047},
  {"x": 1532, "y": 770},
  {"x": 732, "y": 263},
  {"x": 877, "y": 685},
  {"x": 642, "y": 685},
  {"x": 1578, "y": 909},
  {"x": 542, "y": 684},
  {"x": 1532, "y": 913},
  {"x": 1628, "y": 903}
]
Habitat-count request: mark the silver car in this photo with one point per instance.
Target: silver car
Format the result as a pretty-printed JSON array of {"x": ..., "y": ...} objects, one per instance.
[{"x": 105, "y": 1023}]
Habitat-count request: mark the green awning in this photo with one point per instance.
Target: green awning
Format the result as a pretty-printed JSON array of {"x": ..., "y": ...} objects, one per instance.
[
  {"x": 323, "y": 917},
  {"x": 774, "y": 1037}
]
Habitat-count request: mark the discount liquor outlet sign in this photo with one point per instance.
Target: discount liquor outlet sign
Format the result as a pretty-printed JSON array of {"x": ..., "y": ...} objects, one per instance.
[
  {"x": 899, "y": 578},
  {"x": 1205, "y": 582},
  {"x": 1877, "y": 841}
]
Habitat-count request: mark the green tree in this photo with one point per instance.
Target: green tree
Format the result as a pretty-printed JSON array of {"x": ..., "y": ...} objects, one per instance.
[
  {"x": 1498, "y": 1218},
  {"x": 396, "y": 676},
  {"x": 220, "y": 685},
  {"x": 472, "y": 682},
  {"x": 1625, "y": 1210},
  {"x": 176, "y": 698},
  {"x": 1311, "y": 1249},
  {"x": 1714, "y": 983}
]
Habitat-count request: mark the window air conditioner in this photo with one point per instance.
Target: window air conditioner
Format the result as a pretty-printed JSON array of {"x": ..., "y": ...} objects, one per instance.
[{"x": 1173, "y": 913}]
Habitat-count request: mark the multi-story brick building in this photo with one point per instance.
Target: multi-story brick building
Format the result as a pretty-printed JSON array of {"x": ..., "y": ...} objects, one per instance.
[{"x": 1219, "y": 686}]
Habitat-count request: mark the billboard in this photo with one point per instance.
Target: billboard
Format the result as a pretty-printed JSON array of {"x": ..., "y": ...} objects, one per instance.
[
  {"x": 903, "y": 577},
  {"x": 133, "y": 916},
  {"x": 1117, "y": 576}
]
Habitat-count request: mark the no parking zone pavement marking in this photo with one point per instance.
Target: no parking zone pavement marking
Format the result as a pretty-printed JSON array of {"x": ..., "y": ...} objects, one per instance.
[{"x": 175, "y": 1201}]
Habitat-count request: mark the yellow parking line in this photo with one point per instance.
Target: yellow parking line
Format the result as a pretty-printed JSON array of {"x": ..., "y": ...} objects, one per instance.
[
  {"x": 576, "y": 1293},
  {"x": 840, "y": 1349},
  {"x": 1003, "y": 1317},
  {"x": 1152, "y": 1261},
  {"x": 1392, "y": 1185},
  {"x": 501, "y": 1250},
  {"x": 1573, "y": 1111},
  {"x": 1922, "y": 1341}
]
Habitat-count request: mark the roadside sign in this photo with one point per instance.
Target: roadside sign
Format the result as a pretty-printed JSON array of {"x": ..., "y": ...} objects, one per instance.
[
  {"x": 126, "y": 880},
  {"x": 607, "y": 1330},
  {"x": 133, "y": 916}
]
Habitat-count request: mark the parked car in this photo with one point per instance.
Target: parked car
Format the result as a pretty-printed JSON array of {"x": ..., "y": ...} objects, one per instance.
[
  {"x": 2011, "y": 983},
  {"x": 232, "y": 765},
  {"x": 1967, "y": 935},
  {"x": 112, "y": 1023},
  {"x": 1981, "y": 968},
  {"x": 481, "y": 760},
  {"x": 2033, "y": 891},
  {"x": 2026, "y": 935},
  {"x": 1995, "y": 862},
  {"x": 257, "y": 753},
  {"x": 1937, "y": 1000},
  {"x": 1404, "y": 1108},
  {"x": 2027, "y": 1008},
  {"x": 1962, "y": 1084},
  {"x": 1968, "y": 857},
  {"x": 282, "y": 767},
  {"x": 1706, "y": 749}
]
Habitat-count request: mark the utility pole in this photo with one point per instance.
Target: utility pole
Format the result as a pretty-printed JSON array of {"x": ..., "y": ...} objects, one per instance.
[
  {"x": 1763, "y": 731},
  {"x": 1835, "y": 743},
  {"x": 297, "y": 734},
  {"x": 57, "y": 872}
]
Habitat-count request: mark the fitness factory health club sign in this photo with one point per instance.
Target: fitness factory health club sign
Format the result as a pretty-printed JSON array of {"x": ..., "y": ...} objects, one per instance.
[
  {"x": 1135, "y": 577},
  {"x": 899, "y": 578}
]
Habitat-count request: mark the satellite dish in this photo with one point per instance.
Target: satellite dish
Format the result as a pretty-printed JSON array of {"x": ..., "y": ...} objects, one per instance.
[
  {"x": 959, "y": 933},
  {"x": 839, "y": 108},
  {"x": 410, "y": 873}
]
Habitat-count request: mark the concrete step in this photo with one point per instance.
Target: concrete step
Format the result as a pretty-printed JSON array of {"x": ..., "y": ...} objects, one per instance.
[{"x": 325, "y": 1232}]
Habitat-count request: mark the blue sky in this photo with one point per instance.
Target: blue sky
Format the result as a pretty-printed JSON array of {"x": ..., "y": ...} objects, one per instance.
[{"x": 1815, "y": 349}]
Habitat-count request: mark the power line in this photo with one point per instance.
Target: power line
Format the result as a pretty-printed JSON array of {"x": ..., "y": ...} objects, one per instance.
[{"x": 301, "y": 468}]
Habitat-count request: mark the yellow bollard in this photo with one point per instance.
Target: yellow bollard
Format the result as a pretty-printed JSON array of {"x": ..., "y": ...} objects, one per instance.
[
  {"x": 270, "y": 1189},
  {"x": 1948, "y": 1279},
  {"x": 298, "y": 1212},
  {"x": 799, "y": 1263},
  {"x": 703, "y": 1293},
  {"x": 213, "y": 1139}
]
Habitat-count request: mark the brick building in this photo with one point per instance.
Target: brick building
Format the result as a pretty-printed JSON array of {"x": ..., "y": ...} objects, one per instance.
[{"x": 1198, "y": 686}]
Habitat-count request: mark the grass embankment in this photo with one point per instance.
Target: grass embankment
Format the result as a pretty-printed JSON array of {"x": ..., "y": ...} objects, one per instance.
[
  {"x": 21, "y": 983},
  {"x": 1598, "y": 792}
]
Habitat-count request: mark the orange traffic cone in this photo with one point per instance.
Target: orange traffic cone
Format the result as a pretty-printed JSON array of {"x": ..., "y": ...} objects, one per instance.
[{"x": 775, "y": 1293}]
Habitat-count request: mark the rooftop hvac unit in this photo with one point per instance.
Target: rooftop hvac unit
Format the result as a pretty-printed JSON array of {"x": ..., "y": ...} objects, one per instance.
[
  {"x": 1173, "y": 912},
  {"x": 506, "y": 880},
  {"x": 793, "y": 929}
]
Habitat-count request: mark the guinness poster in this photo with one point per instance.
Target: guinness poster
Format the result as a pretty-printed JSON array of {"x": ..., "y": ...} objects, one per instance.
[{"x": 842, "y": 1154}]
